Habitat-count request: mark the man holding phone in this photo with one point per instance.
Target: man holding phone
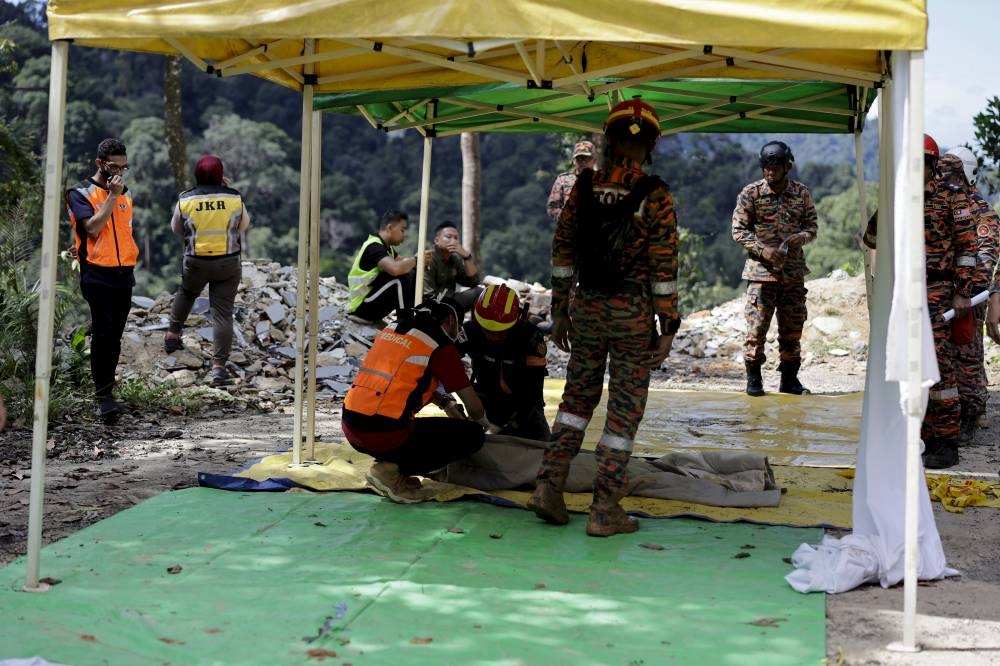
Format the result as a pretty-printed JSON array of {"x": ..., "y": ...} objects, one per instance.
[{"x": 100, "y": 209}]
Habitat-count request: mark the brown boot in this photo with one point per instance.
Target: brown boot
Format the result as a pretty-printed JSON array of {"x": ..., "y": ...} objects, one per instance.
[
  {"x": 547, "y": 501},
  {"x": 609, "y": 520},
  {"x": 607, "y": 517}
]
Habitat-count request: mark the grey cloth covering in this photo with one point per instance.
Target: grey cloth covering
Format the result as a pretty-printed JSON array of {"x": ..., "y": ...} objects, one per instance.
[{"x": 713, "y": 478}]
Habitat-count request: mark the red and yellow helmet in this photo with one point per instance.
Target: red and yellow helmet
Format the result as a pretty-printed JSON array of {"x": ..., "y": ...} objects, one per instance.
[
  {"x": 497, "y": 308},
  {"x": 633, "y": 118}
]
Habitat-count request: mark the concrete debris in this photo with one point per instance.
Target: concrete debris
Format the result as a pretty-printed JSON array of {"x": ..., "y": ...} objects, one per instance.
[{"x": 264, "y": 347}]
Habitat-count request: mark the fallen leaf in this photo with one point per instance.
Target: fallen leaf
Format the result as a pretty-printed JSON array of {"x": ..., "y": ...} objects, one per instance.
[
  {"x": 539, "y": 586},
  {"x": 176, "y": 569},
  {"x": 651, "y": 546},
  {"x": 767, "y": 621},
  {"x": 88, "y": 638},
  {"x": 740, "y": 556},
  {"x": 319, "y": 524},
  {"x": 747, "y": 546},
  {"x": 456, "y": 530},
  {"x": 51, "y": 444},
  {"x": 213, "y": 630},
  {"x": 170, "y": 641},
  {"x": 496, "y": 536},
  {"x": 421, "y": 641},
  {"x": 49, "y": 580},
  {"x": 320, "y": 654}
]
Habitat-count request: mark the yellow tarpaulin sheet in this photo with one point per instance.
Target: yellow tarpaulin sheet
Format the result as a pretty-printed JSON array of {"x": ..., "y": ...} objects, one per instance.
[{"x": 816, "y": 497}]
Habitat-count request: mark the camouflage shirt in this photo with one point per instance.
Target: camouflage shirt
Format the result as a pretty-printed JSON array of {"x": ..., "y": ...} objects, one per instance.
[
  {"x": 560, "y": 193},
  {"x": 762, "y": 218},
  {"x": 441, "y": 275},
  {"x": 987, "y": 239},
  {"x": 653, "y": 255},
  {"x": 949, "y": 236}
]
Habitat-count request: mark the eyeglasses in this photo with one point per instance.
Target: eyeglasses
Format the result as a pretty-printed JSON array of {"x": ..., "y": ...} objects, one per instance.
[{"x": 115, "y": 168}]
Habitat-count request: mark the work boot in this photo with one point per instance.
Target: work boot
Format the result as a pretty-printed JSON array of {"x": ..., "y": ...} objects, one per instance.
[
  {"x": 109, "y": 409},
  {"x": 547, "y": 501},
  {"x": 790, "y": 378},
  {"x": 940, "y": 454},
  {"x": 386, "y": 480},
  {"x": 968, "y": 428},
  {"x": 755, "y": 384},
  {"x": 607, "y": 517}
]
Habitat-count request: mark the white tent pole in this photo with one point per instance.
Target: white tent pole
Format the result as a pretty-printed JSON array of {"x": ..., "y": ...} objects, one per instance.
[
  {"x": 425, "y": 193},
  {"x": 46, "y": 306},
  {"x": 859, "y": 171},
  {"x": 314, "y": 174},
  {"x": 912, "y": 216},
  {"x": 305, "y": 181}
]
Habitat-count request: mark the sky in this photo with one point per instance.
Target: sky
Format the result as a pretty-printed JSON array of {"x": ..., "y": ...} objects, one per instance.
[{"x": 960, "y": 72}]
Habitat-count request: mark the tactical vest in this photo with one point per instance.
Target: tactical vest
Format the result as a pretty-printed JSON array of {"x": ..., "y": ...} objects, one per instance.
[
  {"x": 604, "y": 231},
  {"x": 211, "y": 216},
  {"x": 113, "y": 246}
]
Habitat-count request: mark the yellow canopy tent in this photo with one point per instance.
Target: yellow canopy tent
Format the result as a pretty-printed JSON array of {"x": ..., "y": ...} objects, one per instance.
[{"x": 561, "y": 45}]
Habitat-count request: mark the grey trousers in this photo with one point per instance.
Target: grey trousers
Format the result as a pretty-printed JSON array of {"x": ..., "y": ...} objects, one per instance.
[{"x": 222, "y": 275}]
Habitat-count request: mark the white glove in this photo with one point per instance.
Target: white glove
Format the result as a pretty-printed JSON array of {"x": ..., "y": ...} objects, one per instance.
[{"x": 490, "y": 428}]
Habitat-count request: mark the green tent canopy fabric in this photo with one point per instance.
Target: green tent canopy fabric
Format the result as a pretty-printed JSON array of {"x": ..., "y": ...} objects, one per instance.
[{"x": 696, "y": 105}]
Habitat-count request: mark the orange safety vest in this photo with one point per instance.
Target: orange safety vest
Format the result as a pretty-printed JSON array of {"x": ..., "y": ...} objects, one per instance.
[
  {"x": 113, "y": 246},
  {"x": 394, "y": 380}
]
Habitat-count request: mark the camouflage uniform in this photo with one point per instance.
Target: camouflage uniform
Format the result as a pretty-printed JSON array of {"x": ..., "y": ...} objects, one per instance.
[
  {"x": 559, "y": 195},
  {"x": 618, "y": 325},
  {"x": 950, "y": 247},
  {"x": 762, "y": 218}
]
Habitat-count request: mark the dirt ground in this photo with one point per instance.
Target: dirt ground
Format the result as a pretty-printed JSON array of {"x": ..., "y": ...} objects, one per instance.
[{"x": 94, "y": 471}]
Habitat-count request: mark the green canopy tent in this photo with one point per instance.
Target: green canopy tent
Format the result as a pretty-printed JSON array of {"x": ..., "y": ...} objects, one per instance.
[{"x": 336, "y": 46}]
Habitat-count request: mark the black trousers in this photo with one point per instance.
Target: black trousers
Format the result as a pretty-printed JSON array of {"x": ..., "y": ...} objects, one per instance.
[
  {"x": 109, "y": 308},
  {"x": 387, "y": 293},
  {"x": 434, "y": 442}
]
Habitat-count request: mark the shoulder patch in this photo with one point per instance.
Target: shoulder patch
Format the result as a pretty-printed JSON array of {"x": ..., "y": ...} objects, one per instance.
[{"x": 983, "y": 231}]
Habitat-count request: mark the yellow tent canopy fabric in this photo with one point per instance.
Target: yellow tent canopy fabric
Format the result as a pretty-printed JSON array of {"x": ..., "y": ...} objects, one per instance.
[{"x": 341, "y": 45}]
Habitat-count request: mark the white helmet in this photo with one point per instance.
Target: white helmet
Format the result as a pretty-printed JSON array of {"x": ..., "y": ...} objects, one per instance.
[{"x": 969, "y": 163}]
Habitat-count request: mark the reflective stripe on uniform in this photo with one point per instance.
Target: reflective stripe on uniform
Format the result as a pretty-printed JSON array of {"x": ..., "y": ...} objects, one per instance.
[
  {"x": 571, "y": 420},
  {"x": 664, "y": 288},
  {"x": 419, "y": 360},
  {"x": 377, "y": 373},
  {"x": 947, "y": 394},
  {"x": 967, "y": 260},
  {"x": 563, "y": 271},
  {"x": 616, "y": 442}
]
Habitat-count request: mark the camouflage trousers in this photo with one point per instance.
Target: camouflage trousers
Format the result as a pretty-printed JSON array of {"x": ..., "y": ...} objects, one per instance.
[
  {"x": 970, "y": 373},
  {"x": 613, "y": 332},
  {"x": 941, "y": 420},
  {"x": 788, "y": 299}
]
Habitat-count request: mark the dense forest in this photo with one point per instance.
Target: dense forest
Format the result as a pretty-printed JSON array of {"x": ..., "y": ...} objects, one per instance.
[{"x": 255, "y": 127}]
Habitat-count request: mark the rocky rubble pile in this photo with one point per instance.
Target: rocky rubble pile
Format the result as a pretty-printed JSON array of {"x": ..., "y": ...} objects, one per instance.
[{"x": 263, "y": 358}]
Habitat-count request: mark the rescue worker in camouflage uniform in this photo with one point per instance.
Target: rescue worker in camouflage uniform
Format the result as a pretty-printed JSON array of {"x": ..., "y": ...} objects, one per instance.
[
  {"x": 774, "y": 217},
  {"x": 583, "y": 158},
  {"x": 607, "y": 305},
  {"x": 960, "y": 168},
  {"x": 950, "y": 248}
]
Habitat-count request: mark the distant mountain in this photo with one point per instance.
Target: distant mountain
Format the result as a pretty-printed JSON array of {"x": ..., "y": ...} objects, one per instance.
[{"x": 829, "y": 149}]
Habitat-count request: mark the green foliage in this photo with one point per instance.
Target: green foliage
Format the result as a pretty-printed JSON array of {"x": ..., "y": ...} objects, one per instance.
[
  {"x": 840, "y": 229},
  {"x": 148, "y": 396},
  {"x": 988, "y": 137}
]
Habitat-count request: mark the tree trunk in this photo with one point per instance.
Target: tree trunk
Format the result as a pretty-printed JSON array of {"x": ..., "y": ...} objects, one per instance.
[
  {"x": 471, "y": 177},
  {"x": 173, "y": 122}
]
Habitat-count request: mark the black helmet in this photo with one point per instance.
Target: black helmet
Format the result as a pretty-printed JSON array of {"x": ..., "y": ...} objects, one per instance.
[{"x": 776, "y": 153}]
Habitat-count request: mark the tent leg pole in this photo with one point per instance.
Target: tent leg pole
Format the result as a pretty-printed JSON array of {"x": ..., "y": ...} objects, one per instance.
[
  {"x": 910, "y": 71},
  {"x": 314, "y": 175},
  {"x": 425, "y": 193},
  {"x": 301, "y": 293},
  {"x": 46, "y": 307},
  {"x": 859, "y": 172}
]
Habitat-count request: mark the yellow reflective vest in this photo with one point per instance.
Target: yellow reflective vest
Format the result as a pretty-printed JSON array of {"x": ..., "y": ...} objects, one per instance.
[{"x": 211, "y": 216}]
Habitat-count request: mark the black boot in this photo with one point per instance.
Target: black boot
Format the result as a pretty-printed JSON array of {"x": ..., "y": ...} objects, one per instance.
[
  {"x": 790, "y": 378},
  {"x": 755, "y": 385},
  {"x": 968, "y": 431},
  {"x": 940, "y": 454}
]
